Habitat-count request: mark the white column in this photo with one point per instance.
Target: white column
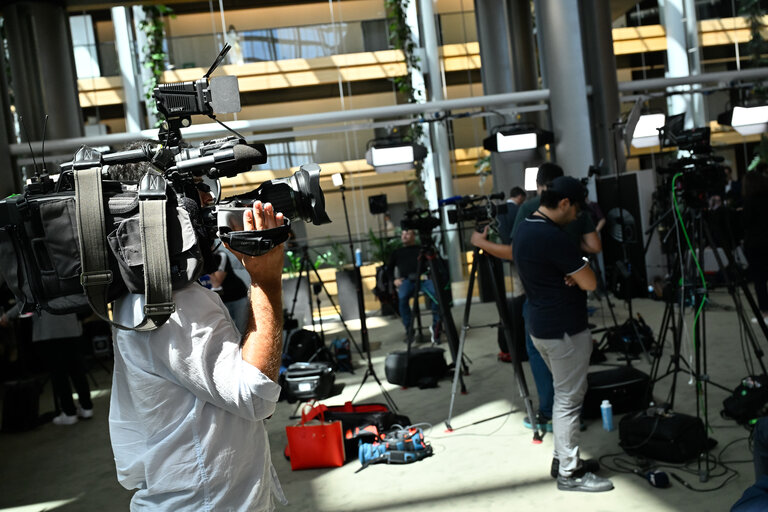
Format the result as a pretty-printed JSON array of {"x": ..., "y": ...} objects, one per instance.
[
  {"x": 683, "y": 59},
  {"x": 140, "y": 15},
  {"x": 132, "y": 86}
]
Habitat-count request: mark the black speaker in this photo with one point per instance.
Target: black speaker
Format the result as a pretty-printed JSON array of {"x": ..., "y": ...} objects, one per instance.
[
  {"x": 623, "y": 236},
  {"x": 378, "y": 204}
]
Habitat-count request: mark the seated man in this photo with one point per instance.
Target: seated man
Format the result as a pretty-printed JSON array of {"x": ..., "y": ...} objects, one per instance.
[{"x": 406, "y": 261}]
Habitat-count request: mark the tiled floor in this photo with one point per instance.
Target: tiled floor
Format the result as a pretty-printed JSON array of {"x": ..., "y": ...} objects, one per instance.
[{"x": 487, "y": 463}]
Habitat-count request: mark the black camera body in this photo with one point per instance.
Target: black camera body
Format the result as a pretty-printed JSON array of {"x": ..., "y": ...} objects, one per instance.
[
  {"x": 421, "y": 220},
  {"x": 478, "y": 209}
]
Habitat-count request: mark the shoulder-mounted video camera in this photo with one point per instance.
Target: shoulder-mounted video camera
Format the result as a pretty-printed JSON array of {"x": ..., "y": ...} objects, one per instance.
[
  {"x": 421, "y": 220},
  {"x": 141, "y": 220}
]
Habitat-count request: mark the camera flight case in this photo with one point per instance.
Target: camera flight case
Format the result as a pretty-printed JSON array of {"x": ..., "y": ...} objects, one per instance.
[{"x": 306, "y": 381}]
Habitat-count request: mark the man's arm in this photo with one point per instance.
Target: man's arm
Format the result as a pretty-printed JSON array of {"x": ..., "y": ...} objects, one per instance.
[
  {"x": 481, "y": 241},
  {"x": 262, "y": 344},
  {"x": 584, "y": 278},
  {"x": 590, "y": 243}
]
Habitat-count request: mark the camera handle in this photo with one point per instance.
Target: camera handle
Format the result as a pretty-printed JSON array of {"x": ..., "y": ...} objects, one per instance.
[{"x": 256, "y": 243}]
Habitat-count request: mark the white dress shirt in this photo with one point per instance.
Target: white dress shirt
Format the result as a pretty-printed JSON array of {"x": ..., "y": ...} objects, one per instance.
[{"x": 187, "y": 413}]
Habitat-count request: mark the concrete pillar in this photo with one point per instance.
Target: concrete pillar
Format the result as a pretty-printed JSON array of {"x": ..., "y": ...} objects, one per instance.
[
  {"x": 504, "y": 31},
  {"x": 601, "y": 66},
  {"x": 560, "y": 26},
  {"x": 125, "y": 44},
  {"x": 440, "y": 150},
  {"x": 42, "y": 68},
  {"x": 683, "y": 58}
]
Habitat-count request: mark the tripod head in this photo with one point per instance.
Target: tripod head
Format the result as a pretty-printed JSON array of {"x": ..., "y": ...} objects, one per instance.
[{"x": 422, "y": 221}]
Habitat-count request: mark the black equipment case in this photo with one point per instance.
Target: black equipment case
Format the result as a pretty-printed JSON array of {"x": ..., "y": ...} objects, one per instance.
[
  {"x": 306, "y": 381},
  {"x": 627, "y": 389},
  {"x": 663, "y": 436},
  {"x": 423, "y": 368}
]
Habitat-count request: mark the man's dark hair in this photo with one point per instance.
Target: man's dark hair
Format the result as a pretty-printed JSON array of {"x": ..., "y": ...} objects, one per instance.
[
  {"x": 550, "y": 198},
  {"x": 548, "y": 171},
  {"x": 516, "y": 192}
]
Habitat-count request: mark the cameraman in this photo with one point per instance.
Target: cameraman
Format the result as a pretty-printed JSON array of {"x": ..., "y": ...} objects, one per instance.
[
  {"x": 189, "y": 399},
  {"x": 405, "y": 260}
]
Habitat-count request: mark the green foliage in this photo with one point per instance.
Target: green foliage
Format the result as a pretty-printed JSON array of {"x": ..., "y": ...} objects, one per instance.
[
  {"x": 382, "y": 248},
  {"x": 154, "y": 54},
  {"x": 761, "y": 153},
  {"x": 757, "y": 45},
  {"x": 401, "y": 38},
  {"x": 294, "y": 263},
  {"x": 483, "y": 169},
  {"x": 335, "y": 257}
]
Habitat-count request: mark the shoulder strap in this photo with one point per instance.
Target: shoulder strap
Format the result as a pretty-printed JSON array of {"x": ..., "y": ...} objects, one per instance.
[{"x": 96, "y": 275}]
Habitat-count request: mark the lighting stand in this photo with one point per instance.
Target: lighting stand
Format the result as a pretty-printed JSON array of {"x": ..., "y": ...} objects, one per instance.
[{"x": 369, "y": 371}]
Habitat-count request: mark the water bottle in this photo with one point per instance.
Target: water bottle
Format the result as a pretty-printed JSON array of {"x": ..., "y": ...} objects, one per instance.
[
  {"x": 358, "y": 257},
  {"x": 607, "y": 411}
]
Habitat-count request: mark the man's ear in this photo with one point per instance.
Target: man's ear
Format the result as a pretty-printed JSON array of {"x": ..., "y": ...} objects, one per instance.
[{"x": 564, "y": 204}]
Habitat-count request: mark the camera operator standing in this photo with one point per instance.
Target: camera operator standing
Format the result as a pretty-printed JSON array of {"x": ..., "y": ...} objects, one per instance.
[
  {"x": 755, "y": 195},
  {"x": 189, "y": 399}
]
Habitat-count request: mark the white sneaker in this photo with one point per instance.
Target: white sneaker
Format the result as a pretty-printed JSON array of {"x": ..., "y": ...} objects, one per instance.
[
  {"x": 65, "y": 419},
  {"x": 84, "y": 413}
]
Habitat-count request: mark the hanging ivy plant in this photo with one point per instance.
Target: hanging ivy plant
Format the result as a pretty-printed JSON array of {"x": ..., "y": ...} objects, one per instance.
[
  {"x": 401, "y": 38},
  {"x": 154, "y": 52}
]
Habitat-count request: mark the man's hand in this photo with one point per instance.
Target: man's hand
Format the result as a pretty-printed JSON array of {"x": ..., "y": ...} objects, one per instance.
[
  {"x": 478, "y": 238},
  {"x": 398, "y": 282},
  {"x": 266, "y": 270},
  {"x": 569, "y": 281}
]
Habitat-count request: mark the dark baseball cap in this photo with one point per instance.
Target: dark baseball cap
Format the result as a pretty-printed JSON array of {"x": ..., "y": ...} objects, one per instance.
[{"x": 570, "y": 188}]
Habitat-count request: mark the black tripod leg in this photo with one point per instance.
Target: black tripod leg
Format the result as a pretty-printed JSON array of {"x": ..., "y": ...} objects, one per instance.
[
  {"x": 462, "y": 338},
  {"x": 508, "y": 325},
  {"x": 444, "y": 306}
]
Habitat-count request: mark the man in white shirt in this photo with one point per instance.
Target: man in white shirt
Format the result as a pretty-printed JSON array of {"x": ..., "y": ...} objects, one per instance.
[{"x": 189, "y": 399}]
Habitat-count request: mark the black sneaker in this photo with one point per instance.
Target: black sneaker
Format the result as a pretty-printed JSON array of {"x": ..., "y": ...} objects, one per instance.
[
  {"x": 589, "y": 482},
  {"x": 585, "y": 466}
]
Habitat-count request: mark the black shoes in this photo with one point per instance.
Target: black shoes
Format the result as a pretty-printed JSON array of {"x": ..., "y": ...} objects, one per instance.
[
  {"x": 589, "y": 482},
  {"x": 586, "y": 466}
]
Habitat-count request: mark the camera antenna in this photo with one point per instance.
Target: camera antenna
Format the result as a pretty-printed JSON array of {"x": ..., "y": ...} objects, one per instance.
[
  {"x": 42, "y": 149},
  {"x": 26, "y": 134},
  {"x": 218, "y": 60}
]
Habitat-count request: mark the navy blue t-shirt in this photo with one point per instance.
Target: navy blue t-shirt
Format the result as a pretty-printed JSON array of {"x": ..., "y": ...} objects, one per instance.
[{"x": 544, "y": 255}]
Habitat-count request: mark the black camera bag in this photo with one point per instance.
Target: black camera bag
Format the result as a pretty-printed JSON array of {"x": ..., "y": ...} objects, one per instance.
[
  {"x": 71, "y": 251},
  {"x": 307, "y": 381},
  {"x": 421, "y": 367},
  {"x": 748, "y": 401},
  {"x": 668, "y": 437}
]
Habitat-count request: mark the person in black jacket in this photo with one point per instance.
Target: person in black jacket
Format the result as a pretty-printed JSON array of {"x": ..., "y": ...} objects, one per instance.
[
  {"x": 755, "y": 196},
  {"x": 405, "y": 260}
]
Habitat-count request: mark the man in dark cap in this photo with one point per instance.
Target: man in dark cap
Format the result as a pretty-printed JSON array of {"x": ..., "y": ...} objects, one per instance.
[{"x": 556, "y": 278}]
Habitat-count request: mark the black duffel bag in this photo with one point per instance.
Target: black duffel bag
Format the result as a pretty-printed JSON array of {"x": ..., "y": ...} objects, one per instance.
[
  {"x": 663, "y": 436},
  {"x": 748, "y": 401}
]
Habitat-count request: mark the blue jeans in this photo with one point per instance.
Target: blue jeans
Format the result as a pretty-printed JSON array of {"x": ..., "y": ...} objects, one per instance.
[
  {"x": 404, "y": 294},
  {"x": 541, "y": 374}
]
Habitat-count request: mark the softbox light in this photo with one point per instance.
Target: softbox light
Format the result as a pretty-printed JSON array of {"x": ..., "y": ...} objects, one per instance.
[
  {"x": 394, "y": 156},
  {"x": 746, "y": 120}
]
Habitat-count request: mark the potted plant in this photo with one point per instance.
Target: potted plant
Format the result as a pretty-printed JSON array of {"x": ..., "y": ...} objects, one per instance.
[{"x": 346, "y": 290}]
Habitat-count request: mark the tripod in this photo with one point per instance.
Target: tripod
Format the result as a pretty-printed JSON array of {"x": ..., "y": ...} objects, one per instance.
[
  {"x": 304, "y": 267},
  {"x": 369, "y": 371},
  {"x": 699, "y": 229},
  {"x": 507, "y": 324},
  {"x": 428, "y": 257}
]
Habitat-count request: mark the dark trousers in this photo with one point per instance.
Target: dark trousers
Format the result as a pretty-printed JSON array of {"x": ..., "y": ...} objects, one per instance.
[
  {"x": 542, "y": 376},
  {"x": 757, "y": 257},
  {"x": 64, "y": 360}
]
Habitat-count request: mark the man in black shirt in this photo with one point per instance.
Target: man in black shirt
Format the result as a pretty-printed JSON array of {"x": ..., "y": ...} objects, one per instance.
[
  {"x": 556, "y": 278},
  {"x": 507, "y": 221},
  {"x": 406, "y": 261}
]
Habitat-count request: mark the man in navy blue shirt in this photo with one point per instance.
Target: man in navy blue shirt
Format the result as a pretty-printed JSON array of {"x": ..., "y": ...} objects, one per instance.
[{"x": 556, "y": 278}]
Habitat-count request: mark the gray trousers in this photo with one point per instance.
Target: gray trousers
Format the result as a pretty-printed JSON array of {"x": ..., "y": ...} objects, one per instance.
[{"x": 568, "y": 360}]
